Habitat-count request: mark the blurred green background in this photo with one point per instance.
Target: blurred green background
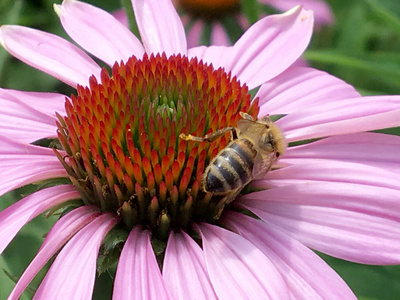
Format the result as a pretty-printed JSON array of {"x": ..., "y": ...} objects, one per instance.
[{"x": 362, "y": 47}]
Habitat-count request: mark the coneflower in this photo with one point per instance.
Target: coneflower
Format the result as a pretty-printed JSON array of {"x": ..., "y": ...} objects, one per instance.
[{"x": 115, "y": 143}]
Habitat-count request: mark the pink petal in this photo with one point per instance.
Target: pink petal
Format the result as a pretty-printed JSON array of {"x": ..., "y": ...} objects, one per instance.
[
  {"x": 238, "y": 269},
  {"x": 356, "y": 222},
  {"x": 22, "y": 164},
  {"x": 160, "y": 27},
  {"x": 219, "y": 36},
  {"x": 17, "y": 215},
  {"x": 73, "y": 272},
  {"x": 184, "y": 270},
  {"x": 98, "y": 32},
  {"x": 121, "y": 16},
  {"x": 24, "y": 116},
  {"x": 330, "y": 171},
  {"x": 217, "y": 56},
  {"x": 375, "y": 149},
  {"x": 194, "y": 33},
  {"x": 322, "y": 11},
  {"x": 60, "y": 233},
  {"x": 138, "y": 275},
  {"x": 341, "y": 117},
  {"x": 299, "y": 88},
  {"x": 46, "y": 103},
  {"x": 305, "y": 273},
  {"x": 49, "y": 53},
  {"x": 270, "y": 46}
]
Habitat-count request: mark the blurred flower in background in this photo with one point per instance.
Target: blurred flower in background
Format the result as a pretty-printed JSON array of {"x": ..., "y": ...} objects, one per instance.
[
  {"x": 109, "y": 159},
  {"x": 210, "y": 22}
]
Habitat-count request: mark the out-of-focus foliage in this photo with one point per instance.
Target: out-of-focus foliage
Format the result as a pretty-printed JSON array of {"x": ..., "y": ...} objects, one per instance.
[{"x": 362, "y": 47}]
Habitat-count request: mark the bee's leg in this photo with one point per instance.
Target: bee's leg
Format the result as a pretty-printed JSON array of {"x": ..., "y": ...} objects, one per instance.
[
  {"x": 225, "y": 201},
  {"x": 211, "y": 137}
]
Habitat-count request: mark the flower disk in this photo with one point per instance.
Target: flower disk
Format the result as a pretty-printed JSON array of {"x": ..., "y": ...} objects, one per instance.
[{"x": 123, "y": 145}]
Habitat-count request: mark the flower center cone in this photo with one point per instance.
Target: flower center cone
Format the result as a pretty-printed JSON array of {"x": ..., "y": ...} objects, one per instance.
[{"x": 121, "y": 137}]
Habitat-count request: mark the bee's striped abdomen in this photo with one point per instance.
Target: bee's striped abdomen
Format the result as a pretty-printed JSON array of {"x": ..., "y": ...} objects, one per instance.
[{"x": 231, "y": 168}]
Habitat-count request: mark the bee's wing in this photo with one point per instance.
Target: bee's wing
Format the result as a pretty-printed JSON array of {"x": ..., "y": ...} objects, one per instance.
[
  {"x": 262, "y": 164},
  {"x": 244, "y": 124}
]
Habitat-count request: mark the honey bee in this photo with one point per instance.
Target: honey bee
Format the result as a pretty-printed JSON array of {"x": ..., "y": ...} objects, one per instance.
[{"x": 256, "y": 145}]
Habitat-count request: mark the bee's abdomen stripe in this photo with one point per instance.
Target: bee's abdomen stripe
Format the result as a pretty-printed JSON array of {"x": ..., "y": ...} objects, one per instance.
[
  {"x": 244, "y": 148},
  {"x": 232, "y": 168},
  {"x": 215, "y": 181},
  {"x": 227, "y": 171},
  {"x": 238, "y": 166}
]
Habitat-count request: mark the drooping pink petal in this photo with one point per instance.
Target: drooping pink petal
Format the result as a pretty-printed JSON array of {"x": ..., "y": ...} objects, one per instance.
[
  {"x": 299, "y": 88},
  {"x": 305, "y": 273},
  {"x": 160, "y": 27},
  {"x": 330, "y": 171},
  {"x": 237, "y": 268},
  {"x": 138, "y": 275},
  {"x": 98, "y": 32},
  {"x": 375, "y": 149},
  {"x": 21, "y": 119},
  {"x": 59, "y": 234},
  {"x": 73, "y": 272},
  {"x": 194, "y": 34},
  {"x": 22, "y": 164},
  {"x": 270, "y": 46},
  {"x": 49, "y": 53},
  {"x": 17, "y": 215},
  {"x": 219, "y": 36},
  {"x": 341, "y": 117},
  {"x": 46, "y": 103},
  {"x": 355, "y": 222},
  {"x": 184, "y": 270},
  {"x": 322, "y": 11}
]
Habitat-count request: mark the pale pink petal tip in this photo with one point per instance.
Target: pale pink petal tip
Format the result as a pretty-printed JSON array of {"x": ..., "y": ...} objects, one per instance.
[
  {"x": 322, "y": 12},
  {"x": 49, "y": 53},
  {"x": 98, "y": 32},
  {"x": 270, "y": 46}
]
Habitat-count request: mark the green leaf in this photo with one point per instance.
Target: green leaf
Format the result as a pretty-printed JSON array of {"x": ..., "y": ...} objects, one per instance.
[
  {"x": 368, "y": 282},
  {"x": 384, "y": 14},
  {"x": 376, "y": 69},
  {"x": 251, "y": 9}
]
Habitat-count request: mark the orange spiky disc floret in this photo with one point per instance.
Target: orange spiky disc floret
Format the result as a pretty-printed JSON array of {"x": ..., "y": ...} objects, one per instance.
[{"x": 123, "y": 145}]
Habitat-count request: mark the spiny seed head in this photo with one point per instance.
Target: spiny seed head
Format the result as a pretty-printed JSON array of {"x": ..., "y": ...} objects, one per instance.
[{"x": 122, "y": 140}]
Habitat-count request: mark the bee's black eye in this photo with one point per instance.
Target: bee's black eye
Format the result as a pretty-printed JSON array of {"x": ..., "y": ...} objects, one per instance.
[{"x": 267, "y": 142}]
